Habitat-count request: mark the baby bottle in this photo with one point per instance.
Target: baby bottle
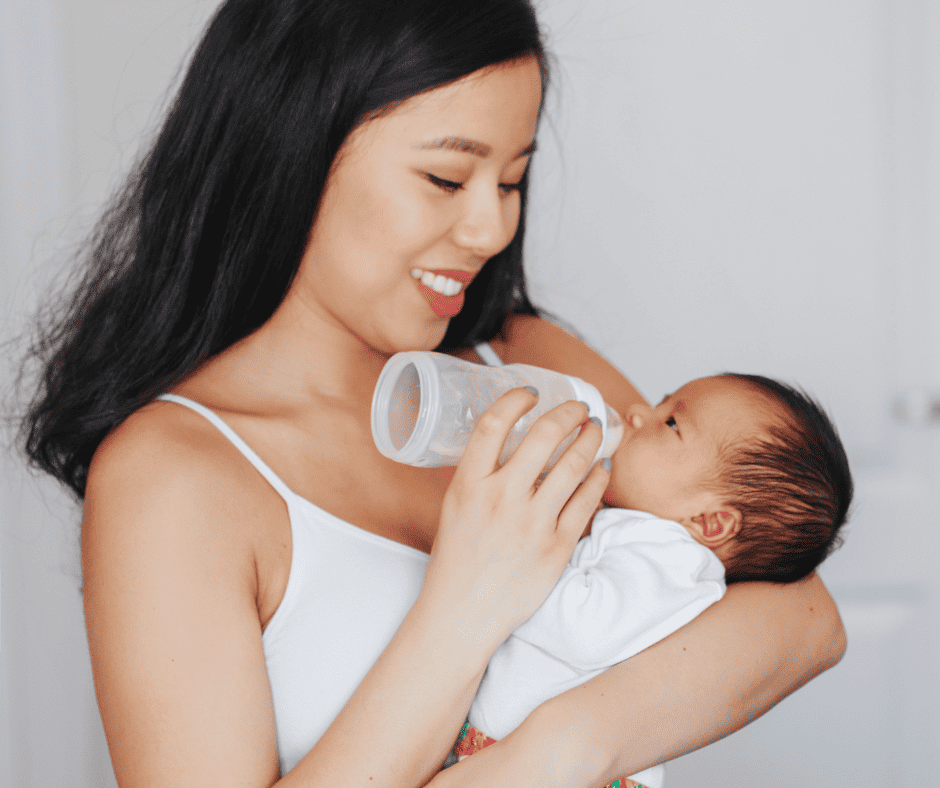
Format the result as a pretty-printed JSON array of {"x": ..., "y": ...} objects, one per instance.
[{"x": 426, "y": 404}]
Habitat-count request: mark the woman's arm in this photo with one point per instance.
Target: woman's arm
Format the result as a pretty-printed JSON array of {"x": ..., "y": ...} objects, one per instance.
[
  {"x": 532, "y": 340},
  {"x": 721, "y": 671},
  {"x": 170, "y": 558}
]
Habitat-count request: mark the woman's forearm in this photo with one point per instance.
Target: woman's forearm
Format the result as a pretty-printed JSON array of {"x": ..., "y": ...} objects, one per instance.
[
  {"x": 405, "y": 714},
  {"x": 730, "y": 665},
  {"x": 714, "y": 675}
]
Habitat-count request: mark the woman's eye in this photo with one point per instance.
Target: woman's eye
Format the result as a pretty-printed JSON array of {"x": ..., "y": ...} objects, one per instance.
[
  {"x": 448, "y": 186},
  {"x": 671, "y": 422},
  {"x": 508, "y": 188}
]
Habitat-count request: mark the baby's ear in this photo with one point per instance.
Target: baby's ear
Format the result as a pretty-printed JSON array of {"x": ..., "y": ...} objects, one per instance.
[{"x": 715, "y": 527}]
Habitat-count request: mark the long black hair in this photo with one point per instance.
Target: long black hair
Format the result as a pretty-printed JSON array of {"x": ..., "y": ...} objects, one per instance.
[{"x": 200, "y": 246}]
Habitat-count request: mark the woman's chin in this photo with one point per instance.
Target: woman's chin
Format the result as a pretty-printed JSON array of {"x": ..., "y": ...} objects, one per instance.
[{"x": 424, "y": 337}]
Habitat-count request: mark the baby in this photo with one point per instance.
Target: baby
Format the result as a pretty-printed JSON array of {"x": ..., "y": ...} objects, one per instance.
[{"x": 734, "y": 477}]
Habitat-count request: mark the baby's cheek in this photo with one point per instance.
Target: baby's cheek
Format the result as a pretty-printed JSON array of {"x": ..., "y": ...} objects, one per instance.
[{"x": 617, "y": 489}]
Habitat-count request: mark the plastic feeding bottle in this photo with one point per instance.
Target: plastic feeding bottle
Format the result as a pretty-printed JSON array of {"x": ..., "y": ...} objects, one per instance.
[{"x": 426, "y": 405}]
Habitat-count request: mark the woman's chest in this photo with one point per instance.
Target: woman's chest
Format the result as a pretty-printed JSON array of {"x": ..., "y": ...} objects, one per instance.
[
  {"x": 334, "y": 465},
  {"x": 349, "y": 591},
  {"x": 393, "y": 501},
  {"x": 350, "y": 495}
]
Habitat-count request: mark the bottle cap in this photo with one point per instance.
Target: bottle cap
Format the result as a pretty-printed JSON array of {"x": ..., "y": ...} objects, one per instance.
[
  {"x": 611, "y": 424},
  {"x": 405, "y": 407}
]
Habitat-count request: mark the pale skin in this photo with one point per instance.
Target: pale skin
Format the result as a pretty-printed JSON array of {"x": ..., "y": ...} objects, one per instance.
[{"x": 187, "y": 549}]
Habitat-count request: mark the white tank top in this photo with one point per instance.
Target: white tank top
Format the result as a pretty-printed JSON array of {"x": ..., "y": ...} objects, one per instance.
[{"x": 347, "y": 593}]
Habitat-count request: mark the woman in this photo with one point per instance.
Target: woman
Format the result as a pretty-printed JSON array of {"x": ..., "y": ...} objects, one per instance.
[{"x": 270, "y": 614}]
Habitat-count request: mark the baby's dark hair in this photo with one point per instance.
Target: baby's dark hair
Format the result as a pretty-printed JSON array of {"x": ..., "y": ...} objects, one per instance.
[{"x": 793, "y": 488}]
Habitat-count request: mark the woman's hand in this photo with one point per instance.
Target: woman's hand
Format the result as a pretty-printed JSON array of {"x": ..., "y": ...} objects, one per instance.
[
  {"x": 502, "y": 544},
  {"x": 504, "y": 539}
]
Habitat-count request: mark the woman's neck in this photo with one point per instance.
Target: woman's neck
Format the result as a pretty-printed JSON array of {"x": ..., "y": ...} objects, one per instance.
[{"x": 299, "y": 354}]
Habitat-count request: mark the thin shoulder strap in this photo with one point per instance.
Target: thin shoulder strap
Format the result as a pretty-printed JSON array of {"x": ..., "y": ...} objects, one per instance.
[
  {"x": 273, "y": 479},
  {"x": 485, "y": 351}
]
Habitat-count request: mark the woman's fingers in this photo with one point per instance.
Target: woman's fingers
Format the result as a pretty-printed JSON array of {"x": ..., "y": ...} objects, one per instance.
[
  {"x": 503, "y": 541},
  {"x": 490, "y": 433},
  {"x": 581, "y": 506},
  {"x": 574, "y": 488},
  {"x": 542, "y": 440}
]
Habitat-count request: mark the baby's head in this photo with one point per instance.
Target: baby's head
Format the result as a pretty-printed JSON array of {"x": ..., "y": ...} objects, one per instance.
[{"x": 752, "y": 468}]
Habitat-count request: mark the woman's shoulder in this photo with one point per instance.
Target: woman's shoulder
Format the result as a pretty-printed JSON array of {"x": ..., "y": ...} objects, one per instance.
[
  {"x": 529, "y": 339},
  {"x": 158, "y": 443},
  {"x": 168, "y": 469}
]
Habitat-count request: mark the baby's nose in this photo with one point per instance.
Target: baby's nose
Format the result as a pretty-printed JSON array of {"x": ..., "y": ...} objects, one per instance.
[{"x": 638, "y": 414}]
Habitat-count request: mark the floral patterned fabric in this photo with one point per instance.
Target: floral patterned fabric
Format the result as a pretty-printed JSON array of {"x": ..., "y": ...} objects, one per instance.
[{"x": 472, "y": 740}]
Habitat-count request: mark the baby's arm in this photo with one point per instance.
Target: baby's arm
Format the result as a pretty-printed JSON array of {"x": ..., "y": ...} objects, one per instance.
[{"x": 635, "y": 580}]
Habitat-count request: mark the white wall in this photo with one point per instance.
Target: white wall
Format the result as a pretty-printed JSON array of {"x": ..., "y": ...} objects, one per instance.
[
  {"x": 723, "y": 196},
  {"x": 46, "y": 708},
  {"x": 78, "y": 83},
  {"x": 755, "y": 186},
  {"x": 723, "y": 185}
]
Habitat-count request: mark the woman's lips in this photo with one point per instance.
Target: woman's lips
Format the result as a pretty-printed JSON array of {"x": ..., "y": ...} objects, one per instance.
[{"x": 443, "y": 305}]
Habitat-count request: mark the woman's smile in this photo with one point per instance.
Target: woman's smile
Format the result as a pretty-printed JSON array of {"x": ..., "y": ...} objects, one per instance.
[{"x": 443, "y": 289}]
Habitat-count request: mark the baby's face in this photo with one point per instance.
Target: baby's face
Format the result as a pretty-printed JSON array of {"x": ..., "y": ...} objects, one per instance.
[{"x": 670, "y": 453}]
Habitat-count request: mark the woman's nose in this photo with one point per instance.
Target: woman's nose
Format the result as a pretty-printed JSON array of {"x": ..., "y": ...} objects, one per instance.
[{"x": 489, "y": 223}]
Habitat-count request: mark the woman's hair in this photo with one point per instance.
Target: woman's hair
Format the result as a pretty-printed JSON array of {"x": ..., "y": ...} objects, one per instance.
[
  {"x": 200, "y": 246},
  {"x": 793, "y": 488}
]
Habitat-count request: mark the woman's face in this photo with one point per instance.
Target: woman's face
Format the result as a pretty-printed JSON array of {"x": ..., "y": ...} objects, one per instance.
[{"x": 417, "y": 201}]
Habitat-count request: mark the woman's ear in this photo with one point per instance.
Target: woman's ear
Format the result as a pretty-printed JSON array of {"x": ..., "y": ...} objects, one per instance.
[{"x": 715, "y": 527}]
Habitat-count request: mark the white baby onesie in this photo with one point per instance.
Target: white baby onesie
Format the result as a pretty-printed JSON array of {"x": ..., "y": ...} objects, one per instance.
[{"x": 635, "y": 579}]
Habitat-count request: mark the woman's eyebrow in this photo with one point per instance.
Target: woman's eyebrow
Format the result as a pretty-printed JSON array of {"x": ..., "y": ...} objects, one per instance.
[{"x": 464, "y": 145}]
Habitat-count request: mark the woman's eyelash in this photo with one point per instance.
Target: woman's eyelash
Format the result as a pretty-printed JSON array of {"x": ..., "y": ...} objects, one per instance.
[
  {"x": 448, "y": 186},
  {"x": 452, "y": 186},
  {"x": 671, "y": 422}
]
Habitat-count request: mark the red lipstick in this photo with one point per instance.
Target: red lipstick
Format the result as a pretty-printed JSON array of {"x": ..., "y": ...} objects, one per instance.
[{"x": 442, "y": 305}]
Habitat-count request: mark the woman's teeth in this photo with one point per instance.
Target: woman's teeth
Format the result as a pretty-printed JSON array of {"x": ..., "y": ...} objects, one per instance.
[{"x": 438, "y": 283}]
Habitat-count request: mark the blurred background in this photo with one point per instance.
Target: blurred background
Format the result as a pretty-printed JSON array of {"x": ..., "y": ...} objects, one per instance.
[{"x": 720, "y": 185}]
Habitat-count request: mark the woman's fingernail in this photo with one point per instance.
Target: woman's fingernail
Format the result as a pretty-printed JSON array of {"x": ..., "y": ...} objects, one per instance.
[
  {"x": 532, "y": 389},
  {"x": 606, "y": 464},
  {"x": 586, "y": 406},
  {"x": 597, "y": 421}
]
